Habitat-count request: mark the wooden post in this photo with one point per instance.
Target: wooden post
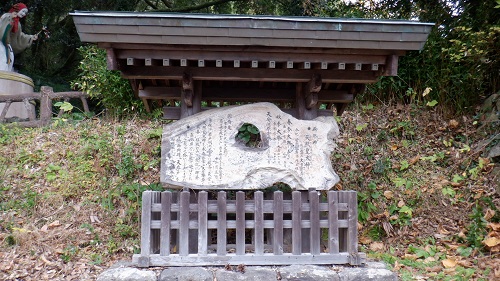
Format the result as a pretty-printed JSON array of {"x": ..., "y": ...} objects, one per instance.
[
  {"x": 221, "y": 223},
  {"x": 145, "y": 229},
  {"x": 202, "y": 223},
  {"x": 45, "y": 105},
  {"x": 259, "y": 222},
  {"x": 184, "y": 223},
  {"x": 190, "y": 96},
  {"x": 296, "y": 223},
  {"x": 300, "y": 102},
  {"x": 311, "y": 91},
  {"x": 166, "y": 202},
  {"x": 333, "y": 222},
  {"x": 278, "y": 223},
  {"x": 240, "y": 223}
]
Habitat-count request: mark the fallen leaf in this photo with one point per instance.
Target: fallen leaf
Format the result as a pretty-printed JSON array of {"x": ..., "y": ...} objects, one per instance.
[
  {"x": 449, "y": 263},
  {"x": 494, "y": 226},
  {"x": 453, "y": 123},
  {"x": 54, "y": 224},
  {"x": 388, "y": 194},
  {"x": 491, "y": 242},
  {"x": 365, "y": 240},
  {"x": 401, "y": 203},
  {"x": 414, "y": 159},
  {"x": 44, "y": 228},
  {"x": 377, "y": 246},
  {"x": 436, "y": 269},
  {"x": 489, "y": 214},
  {"x": 394, "y": 147}
]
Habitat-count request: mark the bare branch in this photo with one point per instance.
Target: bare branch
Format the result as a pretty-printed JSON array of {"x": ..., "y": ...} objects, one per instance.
[
  {"x": 167, "y": 3},
  {"x": 197, "y": 7},
  {"x": 151, "y": 4}
]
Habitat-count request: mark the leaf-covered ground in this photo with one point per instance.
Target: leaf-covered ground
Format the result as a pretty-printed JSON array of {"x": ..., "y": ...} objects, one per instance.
[{"x": 429, "y": 198}]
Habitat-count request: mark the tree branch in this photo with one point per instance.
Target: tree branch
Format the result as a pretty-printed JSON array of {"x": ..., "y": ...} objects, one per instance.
[
  {"x": 151, "y": 4},
  {"x": 197, "y": 7}
]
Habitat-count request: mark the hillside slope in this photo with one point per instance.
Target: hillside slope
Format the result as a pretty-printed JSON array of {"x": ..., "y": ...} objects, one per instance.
[{"x": 429, "y": 199}]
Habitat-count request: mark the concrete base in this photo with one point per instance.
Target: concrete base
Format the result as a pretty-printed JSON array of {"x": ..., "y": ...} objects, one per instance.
[
  {"x": 12, "y": 83},
  {"x": 372, "y": 271}
]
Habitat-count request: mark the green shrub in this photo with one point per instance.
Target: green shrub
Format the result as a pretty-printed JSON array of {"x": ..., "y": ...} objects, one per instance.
[{"x": 108, "y": 87}]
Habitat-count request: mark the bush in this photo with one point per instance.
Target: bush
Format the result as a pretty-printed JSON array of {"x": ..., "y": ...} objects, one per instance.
[{"x": 113, "y": 92}]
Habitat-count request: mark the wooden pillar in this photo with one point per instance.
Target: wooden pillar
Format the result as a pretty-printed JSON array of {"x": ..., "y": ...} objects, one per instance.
[
  {"x": 302, "y": 111},
  {"x": 190, "y": 96}
]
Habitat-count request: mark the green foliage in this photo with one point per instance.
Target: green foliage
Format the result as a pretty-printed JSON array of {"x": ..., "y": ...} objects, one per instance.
[
  {"x": 249, "y": 134},
  {"x": 477, "y": 228},
  {"x": 112, "y": 91},
  {"x": 127, "y": 166}
]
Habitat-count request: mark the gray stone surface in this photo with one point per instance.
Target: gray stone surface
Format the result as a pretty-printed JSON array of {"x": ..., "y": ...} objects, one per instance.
[
  {"x": 308, "y": 273},
  {"x": 186, "y": 274},
  {"x": 127, "y": 274},
  {"x": 372, "y": 271},
  {"x": 254, "y": 273},
  {"x": 202, "y": 151}
]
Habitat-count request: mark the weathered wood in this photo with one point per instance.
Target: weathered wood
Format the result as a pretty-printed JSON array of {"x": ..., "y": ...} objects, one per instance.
[
  {"x": 278, "y": 223},
  {"x": 259, "y": 223},
  {"x": 315, "y": 235},
  {"x": 111, "y": 60},
  {"x": 249, "y": 260},
  {"x": 5, "y": 110},
  {"x": 296, "y": 223},
  {"x": 187, "y": 88},
  {"x": 166, "y": 202},
  {"x": 311, "y": 91},
  {"x": 202, "y": 223},
  {"x": 302, "y": 111},
  {"x": 391, "y": 66},
  {"x": 249, "y": 74},
  {"x": 184, "y": 223},
  {"x": 333, "y": 221},
  {"x": 145, "y": 229},
  {"x": 240, "y": 223},
  {"x": 305, "y": 216},
  {"x": 221, "y": 223}
]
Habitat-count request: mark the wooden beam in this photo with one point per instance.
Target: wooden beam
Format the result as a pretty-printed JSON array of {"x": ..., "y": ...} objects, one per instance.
[
  {"x": 249, "y": 74},
  {"x": 245, "y": 94}
]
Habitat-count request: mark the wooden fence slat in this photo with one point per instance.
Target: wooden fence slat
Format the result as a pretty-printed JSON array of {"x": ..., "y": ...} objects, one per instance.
[
  {"x": 240, "y": 223},
  {"x": 315, "y": 234},
  {"x": 166, "y": 202},
  {"x": 278, "y": 223},
  {"x": 333, "y": 220},
  {"x": 184, "y": 224},
  {"x": 343, "y": 235},
  {"x": 296, "y": 223},
  {"x": 221, "y": 223},
  {"x": 202, "y": 223},
  {"x": 145, "y": 229},
  {"x": 352, "y": 230},
  {"x": 259, "y": 222},
  {"x": 155, "y": 233}
]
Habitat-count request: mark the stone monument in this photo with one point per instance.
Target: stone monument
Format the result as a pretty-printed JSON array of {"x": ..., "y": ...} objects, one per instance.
[{"x": 203, "y": 152}]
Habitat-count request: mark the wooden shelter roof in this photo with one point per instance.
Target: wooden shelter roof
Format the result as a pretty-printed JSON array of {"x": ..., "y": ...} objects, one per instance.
[{"x": 259, "y": 57}]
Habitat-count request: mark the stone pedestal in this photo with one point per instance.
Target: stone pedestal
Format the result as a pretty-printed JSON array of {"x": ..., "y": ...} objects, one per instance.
[{"x": 12, "y": 83}]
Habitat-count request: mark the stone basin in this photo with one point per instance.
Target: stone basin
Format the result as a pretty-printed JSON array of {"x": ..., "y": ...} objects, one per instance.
[{"x": 12, "y": 83}]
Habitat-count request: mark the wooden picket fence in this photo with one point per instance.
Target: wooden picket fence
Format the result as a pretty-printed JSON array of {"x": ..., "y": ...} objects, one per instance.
[{"x": 178, "y": 229}]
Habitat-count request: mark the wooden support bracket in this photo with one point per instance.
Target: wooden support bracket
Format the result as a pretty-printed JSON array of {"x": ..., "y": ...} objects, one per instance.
[
  {"x": 187, "y": 88},
  {"x": 311, "y": 91}
]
